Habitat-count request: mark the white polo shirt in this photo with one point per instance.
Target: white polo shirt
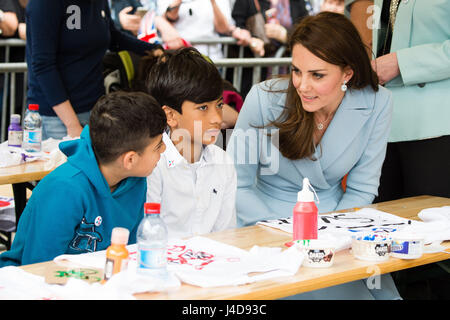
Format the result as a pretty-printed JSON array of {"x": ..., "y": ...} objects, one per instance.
[{"x": 195, "y": 198}]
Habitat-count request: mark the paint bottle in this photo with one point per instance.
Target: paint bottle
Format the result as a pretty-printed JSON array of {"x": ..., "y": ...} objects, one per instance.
[
  {"x": 305, "y": 214},
  {"x": 117, "y": 255},
  {"x": 15, "y": 133}
]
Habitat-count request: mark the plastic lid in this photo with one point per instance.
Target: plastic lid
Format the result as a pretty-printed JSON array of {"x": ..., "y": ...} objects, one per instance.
[
  {"x": 120, "y": 235},
  {"x": 15, "y": 118},
  {"x": 305, "y": 195},
  {"x": 34, "y": 107},
  {"x": 152, "y": 208}
]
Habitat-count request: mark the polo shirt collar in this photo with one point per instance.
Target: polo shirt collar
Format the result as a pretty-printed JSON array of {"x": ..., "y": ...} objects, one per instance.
[{"x": 174, "y": 158}]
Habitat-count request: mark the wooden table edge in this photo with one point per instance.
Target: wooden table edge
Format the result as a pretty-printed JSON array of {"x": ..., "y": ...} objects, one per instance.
[
  {"x": 288, "y": 289},
  {"x": 321, "y": 282}
]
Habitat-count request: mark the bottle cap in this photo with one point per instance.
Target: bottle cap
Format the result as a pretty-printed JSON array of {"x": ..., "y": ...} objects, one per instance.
[
  {"x": 33, "y": 106},
  {"x": 306, "y": 195},
  {"x": 15, "y": 118},
  {"x": 120, "y": 235},
  {"x": 152, "y": 208}
]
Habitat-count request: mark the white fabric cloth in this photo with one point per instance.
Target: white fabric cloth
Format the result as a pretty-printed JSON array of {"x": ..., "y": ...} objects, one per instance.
[
  {"x": 17, "y": 284},
  {"x": 196, "y": 21},
  {"x": 340, "y": 227},
  {"x": 196, "y": 198},
  {"x": 435, "y": 226},
  {"x": 204, "y": 262},
  {"x": 435, "y": 214},
  {"x": 12, "y": 156}
]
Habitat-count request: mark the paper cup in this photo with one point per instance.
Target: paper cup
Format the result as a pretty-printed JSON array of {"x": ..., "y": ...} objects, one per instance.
[
  {"x": 407, "y": 245},
  {"x": 318, "y": 253},
  {"x": 372, "y": 246}
]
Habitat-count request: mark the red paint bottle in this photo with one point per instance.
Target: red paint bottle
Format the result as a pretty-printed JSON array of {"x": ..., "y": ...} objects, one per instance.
[{"x": 305, "y": 214}]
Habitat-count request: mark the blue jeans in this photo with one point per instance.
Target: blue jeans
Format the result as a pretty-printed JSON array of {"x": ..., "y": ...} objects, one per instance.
[{"x": 53, "y": 127}]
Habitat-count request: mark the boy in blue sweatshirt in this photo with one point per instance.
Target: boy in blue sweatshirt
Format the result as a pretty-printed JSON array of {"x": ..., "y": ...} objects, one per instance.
[{"x": 101, "y": 186}]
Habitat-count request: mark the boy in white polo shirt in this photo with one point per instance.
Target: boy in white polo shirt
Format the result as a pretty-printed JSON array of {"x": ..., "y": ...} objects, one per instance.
[{"x": 195, "y": 180}]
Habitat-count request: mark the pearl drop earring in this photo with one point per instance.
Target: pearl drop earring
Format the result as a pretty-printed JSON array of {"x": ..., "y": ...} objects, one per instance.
[{"x": 344, "y": 86}]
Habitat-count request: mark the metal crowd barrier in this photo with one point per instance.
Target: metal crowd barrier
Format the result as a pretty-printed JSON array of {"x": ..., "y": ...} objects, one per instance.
[
  {"x": 237, "y": 64},
  {"x": 226, "y": 42},
  {"x": 10, "y": 70},
  {"x": 256, "y": 63}
]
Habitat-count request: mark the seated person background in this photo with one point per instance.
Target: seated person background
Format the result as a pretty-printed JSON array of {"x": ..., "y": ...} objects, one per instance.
[
  {"x": 101, "y": 186},
  {"x": 125, "y": 17},
  {"x": 195, "y": 180},
  {"x": 199, "y": 20}
]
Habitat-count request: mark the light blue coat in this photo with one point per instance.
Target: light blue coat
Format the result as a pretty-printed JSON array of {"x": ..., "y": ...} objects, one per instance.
[
  {"x": 354, "y": 143},
  {"x": 421, "y": 93}
]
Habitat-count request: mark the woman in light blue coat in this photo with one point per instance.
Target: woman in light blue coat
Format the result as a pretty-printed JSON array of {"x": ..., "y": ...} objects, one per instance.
[
  {"x": 328, "y": 119},
  {"x": 323, "y": 132}
]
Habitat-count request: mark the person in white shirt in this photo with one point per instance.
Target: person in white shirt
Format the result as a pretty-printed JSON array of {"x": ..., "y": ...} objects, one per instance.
[
  {"x": 199, "y": 19},
  {"x": 195, "y": 180}
]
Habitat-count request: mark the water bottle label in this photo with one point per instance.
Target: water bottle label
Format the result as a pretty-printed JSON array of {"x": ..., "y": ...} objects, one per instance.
[
  {"x": 32, "y": 136},
  {"x": 152, "y": 258}
]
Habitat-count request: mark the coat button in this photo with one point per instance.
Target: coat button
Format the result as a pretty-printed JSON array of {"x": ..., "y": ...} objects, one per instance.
[{"x": 421, "y": 85}]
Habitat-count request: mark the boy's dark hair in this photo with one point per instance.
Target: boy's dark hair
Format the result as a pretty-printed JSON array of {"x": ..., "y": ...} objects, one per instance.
[
  {"x": 182, "y": 75},
  {"x": 124, "y": 121}
]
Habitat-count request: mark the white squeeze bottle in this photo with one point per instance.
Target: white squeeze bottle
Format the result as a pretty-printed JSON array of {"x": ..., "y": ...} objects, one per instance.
[{"x": 152, "y": 242}]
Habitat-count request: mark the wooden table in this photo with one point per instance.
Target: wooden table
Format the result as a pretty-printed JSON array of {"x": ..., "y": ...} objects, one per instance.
[
  {"x": 345, "y": 268},
  {"x": 31, "y": 171}
]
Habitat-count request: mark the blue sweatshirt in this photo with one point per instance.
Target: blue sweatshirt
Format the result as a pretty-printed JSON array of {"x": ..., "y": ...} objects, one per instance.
[
  {"x": 66, "y": 42},
  {"x": 72, "y": 209}
]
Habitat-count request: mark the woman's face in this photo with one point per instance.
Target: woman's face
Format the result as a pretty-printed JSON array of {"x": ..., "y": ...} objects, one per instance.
[{"x": 318, "y": 83}]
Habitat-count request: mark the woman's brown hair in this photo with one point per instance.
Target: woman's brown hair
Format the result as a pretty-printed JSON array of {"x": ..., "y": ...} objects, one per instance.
[{"x": 333, "y": 38}]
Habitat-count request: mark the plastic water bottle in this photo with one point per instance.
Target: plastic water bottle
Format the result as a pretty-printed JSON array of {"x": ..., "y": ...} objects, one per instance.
[
  {"x": 32, "y": 129},
  {"x": 305, "y": 214},
  {"x": 15, "y": 133},
  {"x": 152, "y": 242}
]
